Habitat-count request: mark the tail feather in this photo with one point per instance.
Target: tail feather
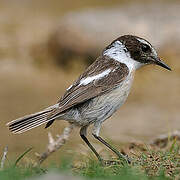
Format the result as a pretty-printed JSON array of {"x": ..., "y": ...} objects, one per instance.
[
  {"x": 25, "y": 122},
  {"x": 31, "y": 125},
  {"x": 31, "y": 121}
]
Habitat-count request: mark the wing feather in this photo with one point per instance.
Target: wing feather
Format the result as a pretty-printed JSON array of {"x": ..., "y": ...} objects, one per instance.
[{"x": 80, "y": 93}]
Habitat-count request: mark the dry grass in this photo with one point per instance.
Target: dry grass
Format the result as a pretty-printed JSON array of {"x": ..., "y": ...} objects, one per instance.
[{"x": 147, "y": 162}]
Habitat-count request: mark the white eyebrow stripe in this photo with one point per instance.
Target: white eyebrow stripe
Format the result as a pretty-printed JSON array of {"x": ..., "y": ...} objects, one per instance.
[
  {"x": 92, "y": 78},
  {"x": 144, "y": 41}
]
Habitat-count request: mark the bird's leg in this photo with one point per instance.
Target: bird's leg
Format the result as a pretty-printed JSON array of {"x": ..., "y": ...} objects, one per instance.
[
  {"x": 120, "y": 155},
  {"x": 95, "y": 133},
  {"x": 83, "y": 136}
]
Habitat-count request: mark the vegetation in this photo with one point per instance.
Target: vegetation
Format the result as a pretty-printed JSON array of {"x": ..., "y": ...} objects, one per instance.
[{"x": 148, "y": 162}]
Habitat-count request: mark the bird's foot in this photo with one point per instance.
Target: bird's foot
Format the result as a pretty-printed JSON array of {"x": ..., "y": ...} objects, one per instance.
[
  {"x": 120, "y": 161},
  {"x": 111, "y": 162},
  {"x": 124, "y": 158}
]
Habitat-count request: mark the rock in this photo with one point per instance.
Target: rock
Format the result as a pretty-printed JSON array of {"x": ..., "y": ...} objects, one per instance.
[{"x": 84, "y": 34}]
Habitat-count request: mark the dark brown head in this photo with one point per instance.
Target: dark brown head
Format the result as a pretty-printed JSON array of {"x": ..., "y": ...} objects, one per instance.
[{"x": 137, "y": 49}]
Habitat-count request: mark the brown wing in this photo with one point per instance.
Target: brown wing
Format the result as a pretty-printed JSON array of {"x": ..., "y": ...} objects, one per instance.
[{"x": 79, "y": 93}]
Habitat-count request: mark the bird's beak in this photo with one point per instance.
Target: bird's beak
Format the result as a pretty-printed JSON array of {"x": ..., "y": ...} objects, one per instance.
[{"x": 159, "y": 62}]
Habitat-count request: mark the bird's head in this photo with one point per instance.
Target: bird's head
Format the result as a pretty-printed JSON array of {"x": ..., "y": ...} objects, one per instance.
[{"x": 134, "y": 50}]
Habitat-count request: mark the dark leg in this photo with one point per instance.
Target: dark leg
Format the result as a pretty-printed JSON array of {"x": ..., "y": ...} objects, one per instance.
[
  {"x": 83, "y": 136},
  {"x": 120, "y": 155}
]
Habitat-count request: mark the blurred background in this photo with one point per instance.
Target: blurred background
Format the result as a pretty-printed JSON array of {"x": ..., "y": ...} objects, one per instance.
[{"x": 45, "y": 45}]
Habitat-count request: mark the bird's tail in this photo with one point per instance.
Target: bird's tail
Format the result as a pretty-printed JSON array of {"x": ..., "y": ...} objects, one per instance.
[{"x": 31, "y": 121}]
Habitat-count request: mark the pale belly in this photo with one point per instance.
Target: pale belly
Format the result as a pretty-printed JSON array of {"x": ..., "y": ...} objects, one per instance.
[{"x": 102, "y": 107}]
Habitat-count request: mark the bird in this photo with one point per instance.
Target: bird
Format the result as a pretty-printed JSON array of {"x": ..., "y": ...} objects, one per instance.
[{"x": 98, "y": 92}]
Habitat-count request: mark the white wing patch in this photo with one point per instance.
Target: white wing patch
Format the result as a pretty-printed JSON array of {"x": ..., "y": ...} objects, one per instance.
[
  {"x": 69, "y": 87},
  {"x": 87, "y": 80}
]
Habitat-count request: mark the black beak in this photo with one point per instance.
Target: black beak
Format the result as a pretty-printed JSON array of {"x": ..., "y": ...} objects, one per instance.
[{"x": 159, "y": 62}]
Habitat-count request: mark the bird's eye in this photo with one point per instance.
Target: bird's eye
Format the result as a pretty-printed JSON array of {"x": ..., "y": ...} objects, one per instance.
[{"x": 145, "y": 48}]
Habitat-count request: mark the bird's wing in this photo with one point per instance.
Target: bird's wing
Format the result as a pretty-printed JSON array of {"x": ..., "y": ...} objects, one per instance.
[{"x": 102, "y": 76}]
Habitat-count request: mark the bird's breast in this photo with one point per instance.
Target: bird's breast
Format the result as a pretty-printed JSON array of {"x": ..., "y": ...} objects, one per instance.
[
  {"x": 102, "y": 107},
  {"x": 118, "y": 96}
]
